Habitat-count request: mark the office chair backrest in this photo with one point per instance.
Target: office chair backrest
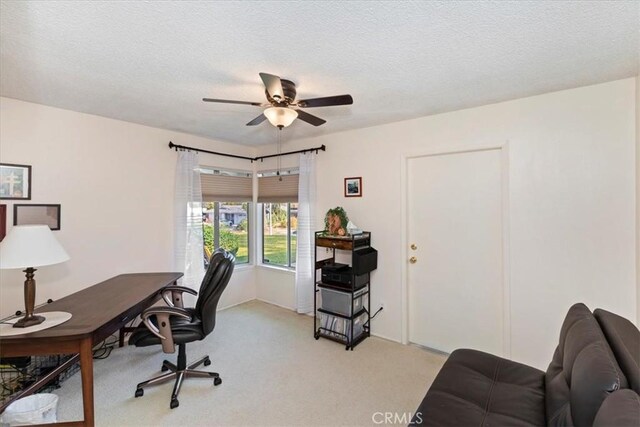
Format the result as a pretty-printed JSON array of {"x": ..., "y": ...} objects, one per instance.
[
  {"x": 217, "y": 256},
  {"x": 214, "y": 283}
]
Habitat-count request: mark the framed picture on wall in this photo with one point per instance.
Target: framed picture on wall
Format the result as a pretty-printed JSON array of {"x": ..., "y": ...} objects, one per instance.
[
  {"x": 353, "y": 187},
  {"x": 15, "y": 182},
  {"x": 37, "y": 214}
]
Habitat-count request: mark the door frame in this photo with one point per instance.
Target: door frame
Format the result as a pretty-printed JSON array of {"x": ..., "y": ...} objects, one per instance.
[{"x": 506, "y": 248}]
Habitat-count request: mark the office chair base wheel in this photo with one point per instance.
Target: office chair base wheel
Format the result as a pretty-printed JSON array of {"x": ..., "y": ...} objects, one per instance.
[
  {"x": 207, "y": 362},
  {"x": 139, "y": 392},
  {"x": 164, "y": 368},
  {"x": 174, "y": 403},
  {"x": 217, "y": 381}
]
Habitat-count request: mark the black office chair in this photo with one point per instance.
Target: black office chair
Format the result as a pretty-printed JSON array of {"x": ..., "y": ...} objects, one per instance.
[
  {"x": 176, "y": 325},
  {"x": 172, "y": 295}
]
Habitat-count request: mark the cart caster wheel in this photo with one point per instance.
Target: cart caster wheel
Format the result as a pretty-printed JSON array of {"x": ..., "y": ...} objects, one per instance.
[
  {"x": 139, "y": 392},
  {"x": 217, "y": 381},
  {"x": 174, "y": 403},
  {"x": 207, "y": 362},
  {"x": 316, "y": 336}
]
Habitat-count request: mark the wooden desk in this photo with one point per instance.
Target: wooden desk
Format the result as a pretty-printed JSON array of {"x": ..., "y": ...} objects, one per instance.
[{"x": 98, "y": 311}]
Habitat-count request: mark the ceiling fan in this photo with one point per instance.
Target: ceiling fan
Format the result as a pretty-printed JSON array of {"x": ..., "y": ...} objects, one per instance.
[{"x": 281, "y": 97}]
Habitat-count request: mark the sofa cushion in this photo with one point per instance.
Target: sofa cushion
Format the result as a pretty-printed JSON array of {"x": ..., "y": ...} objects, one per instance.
[
  {"x": 624, "y": 340},
  {"x": 620, "y": 409},
  {"x": 475, "y": 389},
  {"x": 582, "y": 373}
]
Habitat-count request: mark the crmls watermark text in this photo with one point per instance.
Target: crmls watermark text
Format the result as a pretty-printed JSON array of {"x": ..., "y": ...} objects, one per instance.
[{"x": 403, "y": 418}]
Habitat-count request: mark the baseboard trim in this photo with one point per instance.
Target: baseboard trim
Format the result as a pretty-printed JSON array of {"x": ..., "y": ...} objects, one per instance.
[
  {"x": 276, "y": 304},
  {"x": 385, "y": 338},
  {"x": 237, "y": 303}
]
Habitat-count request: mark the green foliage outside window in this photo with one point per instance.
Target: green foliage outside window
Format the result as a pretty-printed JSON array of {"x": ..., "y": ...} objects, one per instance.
[
  {"x": 228, "y": 240},
  {"x": 279, "y": 240},
  {"x": 207, "y": 236},
  {"x": 232, "y": 238},
  {"x": 275, "y": 249},
  {"x": 279, "y": 214}
]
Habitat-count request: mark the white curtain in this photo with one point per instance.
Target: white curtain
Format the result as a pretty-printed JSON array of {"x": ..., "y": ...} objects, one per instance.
[
  {"x": 189, "y": 245},
  {"x": 305, "y": 270}
]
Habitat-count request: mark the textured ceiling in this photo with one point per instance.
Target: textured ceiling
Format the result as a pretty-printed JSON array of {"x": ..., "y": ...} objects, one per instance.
[{"x": 152, "y": 62}]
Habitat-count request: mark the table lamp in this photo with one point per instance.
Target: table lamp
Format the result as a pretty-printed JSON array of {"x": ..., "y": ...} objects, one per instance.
[{"x": 29, "y": 246}]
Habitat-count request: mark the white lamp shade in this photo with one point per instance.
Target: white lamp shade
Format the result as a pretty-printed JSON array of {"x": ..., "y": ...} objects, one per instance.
[
  {"x": 30, "y": 246},
  {"x": 280, "y": 116}
]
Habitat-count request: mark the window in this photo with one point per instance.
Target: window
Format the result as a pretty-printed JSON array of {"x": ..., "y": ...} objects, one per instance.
[
  {"x": 278, "y": 198},
  {"x": 226, "y": 225},
  {"x": 279, "y": 228},
  {"x": 226, "y": 197}
]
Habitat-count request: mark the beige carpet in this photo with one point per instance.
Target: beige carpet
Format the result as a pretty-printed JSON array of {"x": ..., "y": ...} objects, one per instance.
[{"x": 274, "y": 373}]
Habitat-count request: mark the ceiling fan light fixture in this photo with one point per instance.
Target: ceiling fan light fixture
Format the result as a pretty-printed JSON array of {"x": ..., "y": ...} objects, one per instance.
[{"x": 280, "y": 116}]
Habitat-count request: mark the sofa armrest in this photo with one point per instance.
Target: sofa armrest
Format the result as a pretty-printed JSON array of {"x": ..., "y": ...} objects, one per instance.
[{"x": 620, "y": 408}]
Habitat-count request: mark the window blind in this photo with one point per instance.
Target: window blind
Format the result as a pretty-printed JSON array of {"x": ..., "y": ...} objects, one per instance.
[
  {"x": 272, "y": 190},
  {"x": 225, "y": 186}
]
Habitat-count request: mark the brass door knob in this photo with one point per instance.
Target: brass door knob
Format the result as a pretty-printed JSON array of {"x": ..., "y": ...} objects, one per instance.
[
  {"x": 413, "y": 260},
  {"x": 414, "y": 246}
]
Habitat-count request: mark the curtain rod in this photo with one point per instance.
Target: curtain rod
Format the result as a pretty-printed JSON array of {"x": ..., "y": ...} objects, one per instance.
[{"x": 253, "y": 159}]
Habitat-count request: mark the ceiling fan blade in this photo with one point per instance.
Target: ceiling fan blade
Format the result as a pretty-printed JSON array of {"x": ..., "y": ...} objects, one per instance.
[
  {"x": 309, "y": 118},
  {"x": 326, "y": 101},
  {"x": 273, "y": 85},
  {"x": 229, "y": 101},
  {"x": 261, "y": 118}
]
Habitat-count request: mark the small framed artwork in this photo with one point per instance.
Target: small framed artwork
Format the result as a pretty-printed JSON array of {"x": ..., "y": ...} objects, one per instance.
[
  {"x": 15, "y": 182},
  {"x": 37, "y": 214},
  {"x": 353, "y": 187},
  {"x": 3, "y": 221}
]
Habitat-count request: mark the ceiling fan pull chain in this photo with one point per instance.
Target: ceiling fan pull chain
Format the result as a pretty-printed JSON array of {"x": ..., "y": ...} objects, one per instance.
[{"x": 279, "y": 151}]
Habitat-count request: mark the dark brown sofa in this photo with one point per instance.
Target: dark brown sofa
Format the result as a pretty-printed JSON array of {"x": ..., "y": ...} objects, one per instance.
[{"x": 592, "y": 380}]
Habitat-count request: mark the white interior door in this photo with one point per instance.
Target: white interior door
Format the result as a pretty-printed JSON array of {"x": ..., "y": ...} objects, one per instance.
[{"x": 455, "y": 286}]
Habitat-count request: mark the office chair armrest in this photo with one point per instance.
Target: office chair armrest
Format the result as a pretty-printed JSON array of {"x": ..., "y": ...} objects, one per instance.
[
  {"x": 172, "y": 295},
  {"x": 163, "y": 328}
]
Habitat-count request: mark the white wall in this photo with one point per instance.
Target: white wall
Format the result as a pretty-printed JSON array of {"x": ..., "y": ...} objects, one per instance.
[
  {"x": 276, "y": 286},
  {"x": 572, "y": 203},
  {"x": 572, "y": 195},
  {"x": 115, "y": 182}
]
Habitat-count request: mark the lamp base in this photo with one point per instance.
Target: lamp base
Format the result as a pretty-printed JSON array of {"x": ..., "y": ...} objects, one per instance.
[{"x": 27, "y": 321}]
